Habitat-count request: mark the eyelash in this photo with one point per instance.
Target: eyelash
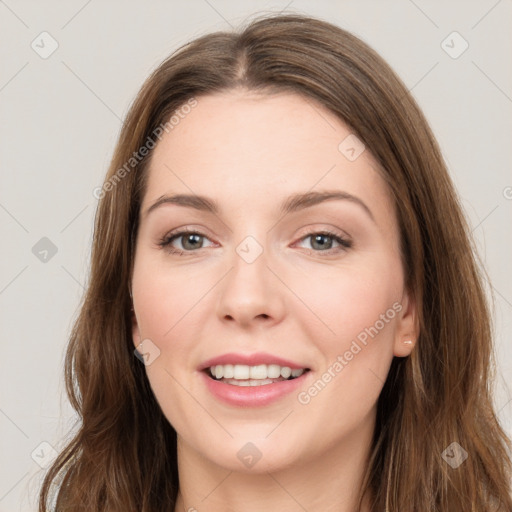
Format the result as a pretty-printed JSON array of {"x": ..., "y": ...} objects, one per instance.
[{"x": 165, "y": 243}]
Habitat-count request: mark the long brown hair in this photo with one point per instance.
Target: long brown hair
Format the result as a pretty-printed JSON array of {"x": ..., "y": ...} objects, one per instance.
[{"x": 123, "y": 457}]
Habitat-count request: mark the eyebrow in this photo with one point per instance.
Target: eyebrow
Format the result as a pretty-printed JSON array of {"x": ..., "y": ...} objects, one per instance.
[{"x": 292, "y": 204}]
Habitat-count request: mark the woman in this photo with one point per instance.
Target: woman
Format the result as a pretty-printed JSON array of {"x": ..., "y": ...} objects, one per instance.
[{"x": 326, "y": 345}]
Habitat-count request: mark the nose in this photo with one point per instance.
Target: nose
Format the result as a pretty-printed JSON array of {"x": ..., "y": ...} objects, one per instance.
[{"x": 251, "y": 293}]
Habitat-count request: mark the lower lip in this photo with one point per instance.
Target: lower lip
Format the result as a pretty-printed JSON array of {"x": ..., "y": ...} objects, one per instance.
[{"x": 252, "y": 396}]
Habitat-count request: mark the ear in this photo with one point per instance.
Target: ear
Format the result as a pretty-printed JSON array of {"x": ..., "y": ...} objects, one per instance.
[
  {"x": 135, "y": 325},
  {"x": 135, "y": 329},
  {"x": 407, "y": 329}
]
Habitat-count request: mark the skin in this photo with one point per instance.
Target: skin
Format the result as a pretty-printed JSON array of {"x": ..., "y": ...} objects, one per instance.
[{"x": 249, "y": 152}]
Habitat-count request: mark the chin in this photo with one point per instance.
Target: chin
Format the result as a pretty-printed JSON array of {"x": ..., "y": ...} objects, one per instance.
[{"x": 257, "y": 456}]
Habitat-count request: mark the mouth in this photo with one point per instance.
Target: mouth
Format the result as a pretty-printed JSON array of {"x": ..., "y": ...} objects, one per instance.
[{"x": 259, "y": 375}]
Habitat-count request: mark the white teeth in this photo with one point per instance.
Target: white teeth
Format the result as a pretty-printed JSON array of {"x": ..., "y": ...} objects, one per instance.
[
  {"x": 286, "y": 371},
  {"x": 242, "y": 382},
  {"x": 241, "y": 371},
  {"x": 228, "y": 371},
  {"x": 252, "y": 382},
  {"x": 273, "y": 371},
  {"x": 259, "y": 373}
]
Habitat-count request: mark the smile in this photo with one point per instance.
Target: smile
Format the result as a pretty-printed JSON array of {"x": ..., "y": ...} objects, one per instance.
[{"x": 260, "y": 375}]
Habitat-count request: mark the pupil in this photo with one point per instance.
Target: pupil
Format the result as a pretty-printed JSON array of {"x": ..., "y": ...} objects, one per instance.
[
  {"x": 322, "y": 245},
  {"x": 188, "y": 238}
]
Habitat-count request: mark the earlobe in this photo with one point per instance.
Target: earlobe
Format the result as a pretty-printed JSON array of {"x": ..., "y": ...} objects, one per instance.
[
  {"x": 407, "y": 327},
  {"x": 404, "y": 347},
  {"x": 135, "y": 328}
]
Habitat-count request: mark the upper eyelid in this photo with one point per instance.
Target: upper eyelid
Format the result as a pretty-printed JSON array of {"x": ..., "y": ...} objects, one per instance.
[
  {"x": 312, "y": 227},
  {"x": 185, "y": 231}
]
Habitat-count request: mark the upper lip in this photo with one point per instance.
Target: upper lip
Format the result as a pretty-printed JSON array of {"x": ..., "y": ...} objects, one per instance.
[{"x": 250, "y": 360}]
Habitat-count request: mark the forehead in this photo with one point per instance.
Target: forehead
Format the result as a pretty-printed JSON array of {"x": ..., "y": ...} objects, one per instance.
[{"x": 237, "y": 146}]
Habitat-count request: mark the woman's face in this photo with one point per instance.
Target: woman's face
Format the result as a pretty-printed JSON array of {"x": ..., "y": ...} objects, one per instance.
[{"x": 261, "y": 278}]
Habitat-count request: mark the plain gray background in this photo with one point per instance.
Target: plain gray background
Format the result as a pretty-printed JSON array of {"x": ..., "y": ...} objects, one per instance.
[{"x": 61, "y": 116}]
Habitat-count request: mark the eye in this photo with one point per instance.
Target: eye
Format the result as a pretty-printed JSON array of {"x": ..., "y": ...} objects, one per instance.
[
  {"x": 191, "y": 241},
  {"x": 323, "y": 241}
]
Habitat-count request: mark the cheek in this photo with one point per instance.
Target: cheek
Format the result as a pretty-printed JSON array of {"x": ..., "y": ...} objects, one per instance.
[
  {"x": 165, "y": 296},
  {"x": 361, "y": 309},
  {"x": 166, "y": 299},
  {"x": 356, "y": 359},
  {"x": 343, "y": 302}
]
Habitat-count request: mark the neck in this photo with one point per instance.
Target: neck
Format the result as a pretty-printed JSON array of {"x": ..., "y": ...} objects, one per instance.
[{"x": 329, "y": 482}]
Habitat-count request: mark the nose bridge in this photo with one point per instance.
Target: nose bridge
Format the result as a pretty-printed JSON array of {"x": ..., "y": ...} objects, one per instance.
[
  {"x": 250, "y": 249},
  {"x": 250, "y": 288},
  {"x": 250, "y": 272}
]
